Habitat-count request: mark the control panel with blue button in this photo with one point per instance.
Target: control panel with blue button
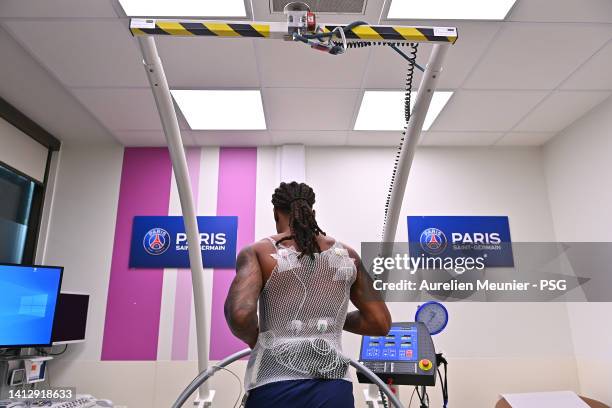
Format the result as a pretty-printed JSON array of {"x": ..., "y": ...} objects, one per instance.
[{"x": 405, "y": 356}]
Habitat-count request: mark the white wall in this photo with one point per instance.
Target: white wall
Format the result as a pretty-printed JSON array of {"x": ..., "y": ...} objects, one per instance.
[
  {"x": 82, "y": 229},
  {"x": 81, "y": 238},
  {"x": 578, "y": 171},
  {"x": 21, "y": 152},
  {"x": 492, "y": 347}
]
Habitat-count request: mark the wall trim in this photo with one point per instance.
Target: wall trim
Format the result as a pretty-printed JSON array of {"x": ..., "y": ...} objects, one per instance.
[{"x": 13, "y": 116}]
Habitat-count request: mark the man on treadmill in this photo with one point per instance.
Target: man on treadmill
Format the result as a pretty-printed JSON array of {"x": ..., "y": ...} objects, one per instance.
[{"x": 302, "y": 280}]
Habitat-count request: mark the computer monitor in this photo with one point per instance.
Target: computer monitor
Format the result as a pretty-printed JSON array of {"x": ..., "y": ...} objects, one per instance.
[
  {"x": 28, "y": 298},
  {"x": 70, "y": 318}
]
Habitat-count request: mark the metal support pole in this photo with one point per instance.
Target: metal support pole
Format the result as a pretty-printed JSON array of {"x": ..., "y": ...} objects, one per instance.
[
  {"x": 165, "y": 107},
  {"x": 406, "y": 155},
  {"x": 413, "y": 133},
  {"x": 421, "y": 106}
]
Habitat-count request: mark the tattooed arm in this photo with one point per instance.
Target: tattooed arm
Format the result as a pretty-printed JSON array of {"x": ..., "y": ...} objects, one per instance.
[
  {"x": 372, "y": 316},
  {"x": 241, "y": 302}
]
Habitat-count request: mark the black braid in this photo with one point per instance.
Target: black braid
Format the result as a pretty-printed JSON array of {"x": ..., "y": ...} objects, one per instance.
[{"x": 297, "y": 199}]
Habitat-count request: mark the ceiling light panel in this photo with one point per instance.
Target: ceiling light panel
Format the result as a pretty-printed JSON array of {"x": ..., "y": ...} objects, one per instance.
[
  {"x": 184, "y": 8},
  {"x": 384, "y": 110},
  {"x": 450, "y": 9},
  {"x": 221, "y": 110}
]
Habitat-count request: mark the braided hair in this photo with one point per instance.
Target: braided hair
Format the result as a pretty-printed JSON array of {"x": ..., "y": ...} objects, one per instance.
[{"x": 296, "y": 200}]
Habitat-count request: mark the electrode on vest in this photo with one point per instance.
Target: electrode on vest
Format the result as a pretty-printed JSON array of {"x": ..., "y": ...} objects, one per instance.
[
  {"x": 341, "y": 252},
  {"x": 295, "y": 326},
  {"x": 322, "y": 326}
]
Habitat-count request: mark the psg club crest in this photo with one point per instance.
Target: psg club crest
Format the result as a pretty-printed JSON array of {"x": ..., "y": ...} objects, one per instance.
[
  {"x": 433, "y": 241},
  {"x": 156, "y": 241}
]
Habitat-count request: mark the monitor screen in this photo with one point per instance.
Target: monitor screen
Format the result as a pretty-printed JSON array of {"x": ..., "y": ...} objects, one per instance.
[
  {"x": 70, "y": 318},
  {"x": 28, "y": 297}
]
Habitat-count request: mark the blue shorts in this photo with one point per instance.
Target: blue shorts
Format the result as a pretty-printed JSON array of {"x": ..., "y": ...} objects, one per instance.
[{"x": 303, "y": 393}]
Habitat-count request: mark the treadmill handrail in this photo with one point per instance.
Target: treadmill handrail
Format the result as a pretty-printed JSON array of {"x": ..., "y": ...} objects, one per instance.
[{"x": 209, "y": 372}]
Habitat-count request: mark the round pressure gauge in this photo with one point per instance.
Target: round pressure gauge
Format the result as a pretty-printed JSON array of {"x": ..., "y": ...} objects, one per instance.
[{"x": 434, "y": 315}]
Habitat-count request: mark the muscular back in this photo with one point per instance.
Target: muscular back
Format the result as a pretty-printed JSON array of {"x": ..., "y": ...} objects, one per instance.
[
  {"x": 256, "y": 263},
  {"x": 302, "y": 310},
  {"x": 264, "y": 249}
]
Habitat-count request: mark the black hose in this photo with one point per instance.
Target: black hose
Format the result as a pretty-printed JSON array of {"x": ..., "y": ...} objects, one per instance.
[
  {"x": 349, "y": 27},
  {"x": 407, "y": 116},
  {"x": 383, "y": 398}
]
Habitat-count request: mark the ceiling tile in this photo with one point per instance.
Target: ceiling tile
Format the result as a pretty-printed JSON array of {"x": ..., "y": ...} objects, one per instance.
[
  {"x": 460, "y": 138},
  {"x": 121, "y": 109},
  {"x": 309, "y": 137},
  {"x": 525, "y": 138},
  {"x": 230, "y": 137},
  {"x": 208, "y": 63},
  {"x": 491, "y": 111},
  {"x": 536, "y": 56},
  {"x": 562, "y": 11},
  {"x": 373, "y": 138},
  {"x": 261, "y": 12},
  {"x": 56, "y": 8},
  {"x": 595, "y": 74},
  {"x": 292, "y": 64},
  {"x": 387, "y": 69},
  {"x": 84, "y": 52},
  {"x": 309, "y": 109},
  {"x": 144, "y": 137},
  {"x": 559, "y": 110},
  {"x": 30, "y": 88}
]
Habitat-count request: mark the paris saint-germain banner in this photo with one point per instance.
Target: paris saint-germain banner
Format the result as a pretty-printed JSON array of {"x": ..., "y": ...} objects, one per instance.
[
  {"x": 462, "y": 236},
  {"x": 161, "y": 242}
]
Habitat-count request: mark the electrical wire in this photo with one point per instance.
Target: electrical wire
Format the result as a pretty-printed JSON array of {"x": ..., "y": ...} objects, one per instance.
[
  {"x": 443, "y": 383},
  {"x": 330, "y": 34},
  {"x": 341, "y": 31},
  {"x": 239, "y": 383},
  {"x": 423, "y": 398},
  {"x": 383, "y": 398},
  {"x": 411, "y": 397},
  {"x": 407, "y": 117},
  {"x": 46, "y": 353},
  {"x": 444, "y": 392},
  {"x": 414, "y": 47},
  {"x": 9, "y": 351},
  {"x": 333, "y": 47}
]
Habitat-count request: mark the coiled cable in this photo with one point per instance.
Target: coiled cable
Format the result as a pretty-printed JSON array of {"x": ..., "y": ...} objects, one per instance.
[
  {"x": 414, "y": 47},
  {"x": 407, "y": 116}
]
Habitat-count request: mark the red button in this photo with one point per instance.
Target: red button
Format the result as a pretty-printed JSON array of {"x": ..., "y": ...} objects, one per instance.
[{"x": 425, "y": 365}]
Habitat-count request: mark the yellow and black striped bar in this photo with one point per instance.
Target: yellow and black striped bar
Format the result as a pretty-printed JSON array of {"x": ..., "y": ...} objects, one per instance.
[
  {"x": 140, "y": 27},
  {"x": 399, "y": 33},
  {"x": 278, "y": 30}
]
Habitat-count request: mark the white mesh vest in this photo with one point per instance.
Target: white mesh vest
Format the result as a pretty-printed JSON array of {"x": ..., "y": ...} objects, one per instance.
[{"x": 302, "y": 309}]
